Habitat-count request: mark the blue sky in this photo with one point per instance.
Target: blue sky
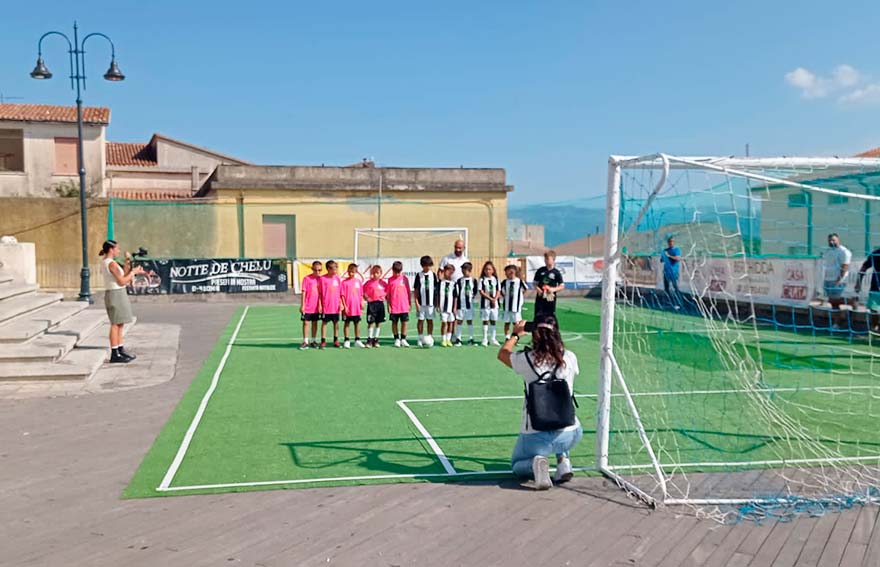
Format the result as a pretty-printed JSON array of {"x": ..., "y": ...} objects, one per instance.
[{"x": 545, "y": 90}]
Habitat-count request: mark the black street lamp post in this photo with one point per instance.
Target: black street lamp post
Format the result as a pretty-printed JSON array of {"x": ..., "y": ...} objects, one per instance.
[{"x": 76, "y": 51}]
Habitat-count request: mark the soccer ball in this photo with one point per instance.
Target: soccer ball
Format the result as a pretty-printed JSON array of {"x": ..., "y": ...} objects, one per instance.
[{"x": 428, "y": 341}]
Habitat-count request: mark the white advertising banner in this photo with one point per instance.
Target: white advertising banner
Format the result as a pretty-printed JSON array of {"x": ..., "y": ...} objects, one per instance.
[
  {"x": 577, "y": 272},
  {"x": 762, "y": 280}
]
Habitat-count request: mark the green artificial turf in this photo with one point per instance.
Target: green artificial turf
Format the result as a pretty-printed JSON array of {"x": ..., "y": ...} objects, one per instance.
[{"x": 322, "y": 417}]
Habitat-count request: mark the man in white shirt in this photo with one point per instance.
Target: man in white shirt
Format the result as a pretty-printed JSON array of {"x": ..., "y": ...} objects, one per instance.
[
  {"x": 835, "y": 265},
  {"x": 456, "y": 259}
]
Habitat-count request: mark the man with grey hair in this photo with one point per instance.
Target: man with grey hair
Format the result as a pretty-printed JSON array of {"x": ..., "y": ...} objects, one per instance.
[
  {"x": 455, "y": 259},
  {"x": 835, "y": 265}
]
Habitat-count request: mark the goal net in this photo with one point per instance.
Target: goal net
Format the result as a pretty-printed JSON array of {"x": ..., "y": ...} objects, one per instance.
[
  {"x": 374, "y": 243},
  {"x": 739, "y": 372}
]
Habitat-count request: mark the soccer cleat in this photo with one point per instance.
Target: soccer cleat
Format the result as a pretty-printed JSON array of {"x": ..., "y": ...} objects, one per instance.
[
  {"x": 346, "y": 344},
  {"x": 397, "y": 343},
  {"x": 304, "y": 346},
  {"x": 376, "y": 343},
  {"x": 563, "y": 471},
  {"x": 456, "y": 342},
  {"x": 359, "y": 344},
  {"x": 472, "y": 342},
  {"x": 403, "y": 343},
  {"x": 420, "y": 343},
  {"x": 495, "y": 343},
  {"x": 314, "y": 344},
  {"x": 541, "y": 470},
  {"x": 323, "y": 345},
  {"x": 336, "y": 344},
  {"x": 484, "y": 343}
]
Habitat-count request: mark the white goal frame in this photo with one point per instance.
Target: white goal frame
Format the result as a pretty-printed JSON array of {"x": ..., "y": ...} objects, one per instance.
[
  {"x": 463, "y": 231},
  {"x": 608, "y": 367}
]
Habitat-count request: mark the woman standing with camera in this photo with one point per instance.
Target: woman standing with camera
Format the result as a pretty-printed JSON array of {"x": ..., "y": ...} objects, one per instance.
[
  {"x": 116, "y": 298},
  {"x": 549, "y": 424}
]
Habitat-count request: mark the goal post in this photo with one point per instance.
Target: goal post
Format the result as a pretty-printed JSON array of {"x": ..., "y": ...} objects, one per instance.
[
  {"x": 406, "y": 241},
  {"x": 737, "y": 371}
]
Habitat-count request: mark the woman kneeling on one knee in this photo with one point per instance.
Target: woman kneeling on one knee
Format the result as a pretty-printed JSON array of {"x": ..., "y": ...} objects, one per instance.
[
  {"x": 547, "y": 355},
  {"x": 116, "y": 298}
]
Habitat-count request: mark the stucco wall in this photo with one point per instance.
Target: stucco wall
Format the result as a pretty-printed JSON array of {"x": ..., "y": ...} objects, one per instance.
[{"x": 39, "y": 159}]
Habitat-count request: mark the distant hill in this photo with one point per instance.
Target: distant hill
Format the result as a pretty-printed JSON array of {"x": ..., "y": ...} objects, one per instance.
[{"x": 565, "y": 221}]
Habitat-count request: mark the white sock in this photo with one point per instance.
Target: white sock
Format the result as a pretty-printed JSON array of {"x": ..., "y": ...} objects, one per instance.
[
  {"x": 448, "y": 337},
  {"x": 471, "y": 331},
  {"x": 485, "y": 331},
  {"x": 494, "y": 333},
  {"x": 374, "y": 332},
  {"x": 458, "y": 332}
]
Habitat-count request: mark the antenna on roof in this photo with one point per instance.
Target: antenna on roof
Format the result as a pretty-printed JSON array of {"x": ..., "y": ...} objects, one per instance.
[{"x": 4, "y": 98}]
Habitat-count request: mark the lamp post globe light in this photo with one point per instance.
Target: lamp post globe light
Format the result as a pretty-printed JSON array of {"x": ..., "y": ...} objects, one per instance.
[{"x": 76, "y": 52}]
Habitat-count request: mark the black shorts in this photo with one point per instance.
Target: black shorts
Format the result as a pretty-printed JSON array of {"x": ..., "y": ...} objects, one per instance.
[
  {"x": 331, "y": 317},
  {"x": 398, "y": 317},
  {"x": 544, "y": 307},
  {"x": 311, "y": 317},
  {"x": 375, "y": 312},
  {"x": 352, "y": 318}
]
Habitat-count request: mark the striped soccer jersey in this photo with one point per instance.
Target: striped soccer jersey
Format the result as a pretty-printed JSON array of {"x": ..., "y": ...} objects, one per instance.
[
  {"x": 447, "y": 296},
  {"x": 465, "y": 290},
  {"x": 512, "y": 295},
  {"x": 489, "y": 285},
  {"x": 425, "y": 288}
]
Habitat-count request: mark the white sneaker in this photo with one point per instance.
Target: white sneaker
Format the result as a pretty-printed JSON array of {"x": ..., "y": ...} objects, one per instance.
[
  {"x": 397, "y": 343},
  {"x": 359, "y": 344},
  {"x": 420, "y": 343},
  {"x": 563, "y": 471},
  {"x": 485, "y": 342},
  {"x": 541, "y": 470},
  {"x": 495, "y": 343},
  {"x": 403, "y": 343},
  {"x": 346, "y": 344}
]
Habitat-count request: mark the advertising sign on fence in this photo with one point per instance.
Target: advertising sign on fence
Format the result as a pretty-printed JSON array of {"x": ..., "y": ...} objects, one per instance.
[
  {"x": 577, "y": 272},
  {"x": 213, "y": 275}
]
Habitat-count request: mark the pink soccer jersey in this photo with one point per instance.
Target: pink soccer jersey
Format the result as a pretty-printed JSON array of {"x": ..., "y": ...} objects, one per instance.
[
  {"x": 375, "y": 290},
  {"x": 331, "y": 293},
  {"x": 398, "y": 294},
  {"x": 310, "y": 290},
  {"x": 352, "y": 292}
]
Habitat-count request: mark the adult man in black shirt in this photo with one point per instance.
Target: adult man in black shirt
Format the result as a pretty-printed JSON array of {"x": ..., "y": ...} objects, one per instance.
[
  {"x": 872, "y": 262},
  {"x": 548, "y": 281}
]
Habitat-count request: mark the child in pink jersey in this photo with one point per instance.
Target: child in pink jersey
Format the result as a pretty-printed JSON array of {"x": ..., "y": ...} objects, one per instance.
[
  {"x": 331, "y": 303},
  {"x": 375, "y": 291},
  {"x": 352, "y": 305},
  {"x": 398, "y": 303},
  {"x": 310, "y": 309}
]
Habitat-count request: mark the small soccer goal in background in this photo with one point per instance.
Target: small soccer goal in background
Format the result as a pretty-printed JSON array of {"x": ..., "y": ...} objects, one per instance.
[
  {"x": 406, "y": 242},
  {"x": 735, "y": 379}
]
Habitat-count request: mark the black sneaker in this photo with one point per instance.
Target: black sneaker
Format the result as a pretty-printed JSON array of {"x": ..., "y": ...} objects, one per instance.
[
  {"x": 127, "y": 354},
  {"x": 314, "y": 344},
  {"x": 116, "y": 358},
  {"x": 456, "y": 342}
]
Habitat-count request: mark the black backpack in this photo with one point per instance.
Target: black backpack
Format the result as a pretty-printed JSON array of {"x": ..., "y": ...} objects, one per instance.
[{"x": 550, "y": 404}]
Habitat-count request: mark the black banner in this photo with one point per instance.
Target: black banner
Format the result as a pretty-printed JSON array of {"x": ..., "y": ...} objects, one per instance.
[{"x": 213, "y": 275}]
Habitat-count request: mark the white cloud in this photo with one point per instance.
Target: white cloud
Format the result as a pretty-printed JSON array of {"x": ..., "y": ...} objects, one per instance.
[
  {"x": 812, "y": 85},
  {"x": 867, "y": 94}
]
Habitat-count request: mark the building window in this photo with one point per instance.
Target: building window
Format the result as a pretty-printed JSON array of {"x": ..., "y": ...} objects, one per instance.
[
  {"x": 797, "y": 200},
  {"x": 11, "y": 150},
  {"x": 65, "y": 156}
]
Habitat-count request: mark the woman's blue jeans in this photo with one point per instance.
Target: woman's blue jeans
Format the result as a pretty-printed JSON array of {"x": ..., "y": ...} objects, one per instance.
[{"x": 545, "y": 443}]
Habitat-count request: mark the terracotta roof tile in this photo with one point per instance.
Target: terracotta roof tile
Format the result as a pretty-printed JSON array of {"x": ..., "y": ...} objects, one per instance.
[
  {"x": 141, "y": 195},
  {"x": 870, "y": 153},
  {"x": 124, "y": 153},
  {"x": 52, "y": 113}
]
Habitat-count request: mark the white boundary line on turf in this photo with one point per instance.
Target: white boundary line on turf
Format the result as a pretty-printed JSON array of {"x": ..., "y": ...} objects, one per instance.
[
  {"x": 820, "y": 389},
  {"x": 187, "y": 439},
  {"x": 441, "y": 456}
]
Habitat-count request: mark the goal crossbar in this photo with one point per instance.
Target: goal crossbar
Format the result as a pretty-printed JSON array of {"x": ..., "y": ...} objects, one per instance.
[{"x": 463, "y": 231}]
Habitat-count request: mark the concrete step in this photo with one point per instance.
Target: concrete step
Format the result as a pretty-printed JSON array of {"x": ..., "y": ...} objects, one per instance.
[
  {"x": 78, "y": 364},
  {"x": 55, "y": 343},
  {"x": 5, "y": 279},
  {"x": 9, "y": 292},
  {"x": 12, "y": 308},
  {"x": 38, "y": 321}
]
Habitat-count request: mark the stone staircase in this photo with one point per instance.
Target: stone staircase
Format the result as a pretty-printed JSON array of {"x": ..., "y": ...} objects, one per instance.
[{"x": 43, "y": 338}]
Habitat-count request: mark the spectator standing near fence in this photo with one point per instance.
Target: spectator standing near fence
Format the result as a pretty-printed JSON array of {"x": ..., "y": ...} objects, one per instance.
[
  {"x": 835, "y": 265},
  {"x": 456, "y": 259}
]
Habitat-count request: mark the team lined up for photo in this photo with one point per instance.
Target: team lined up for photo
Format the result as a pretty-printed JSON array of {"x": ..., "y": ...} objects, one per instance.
[{"x": 328, "y": 299}]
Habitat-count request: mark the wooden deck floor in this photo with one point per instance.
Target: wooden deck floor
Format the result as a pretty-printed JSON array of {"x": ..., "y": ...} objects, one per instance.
[{"x": 65, "y": 461}]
